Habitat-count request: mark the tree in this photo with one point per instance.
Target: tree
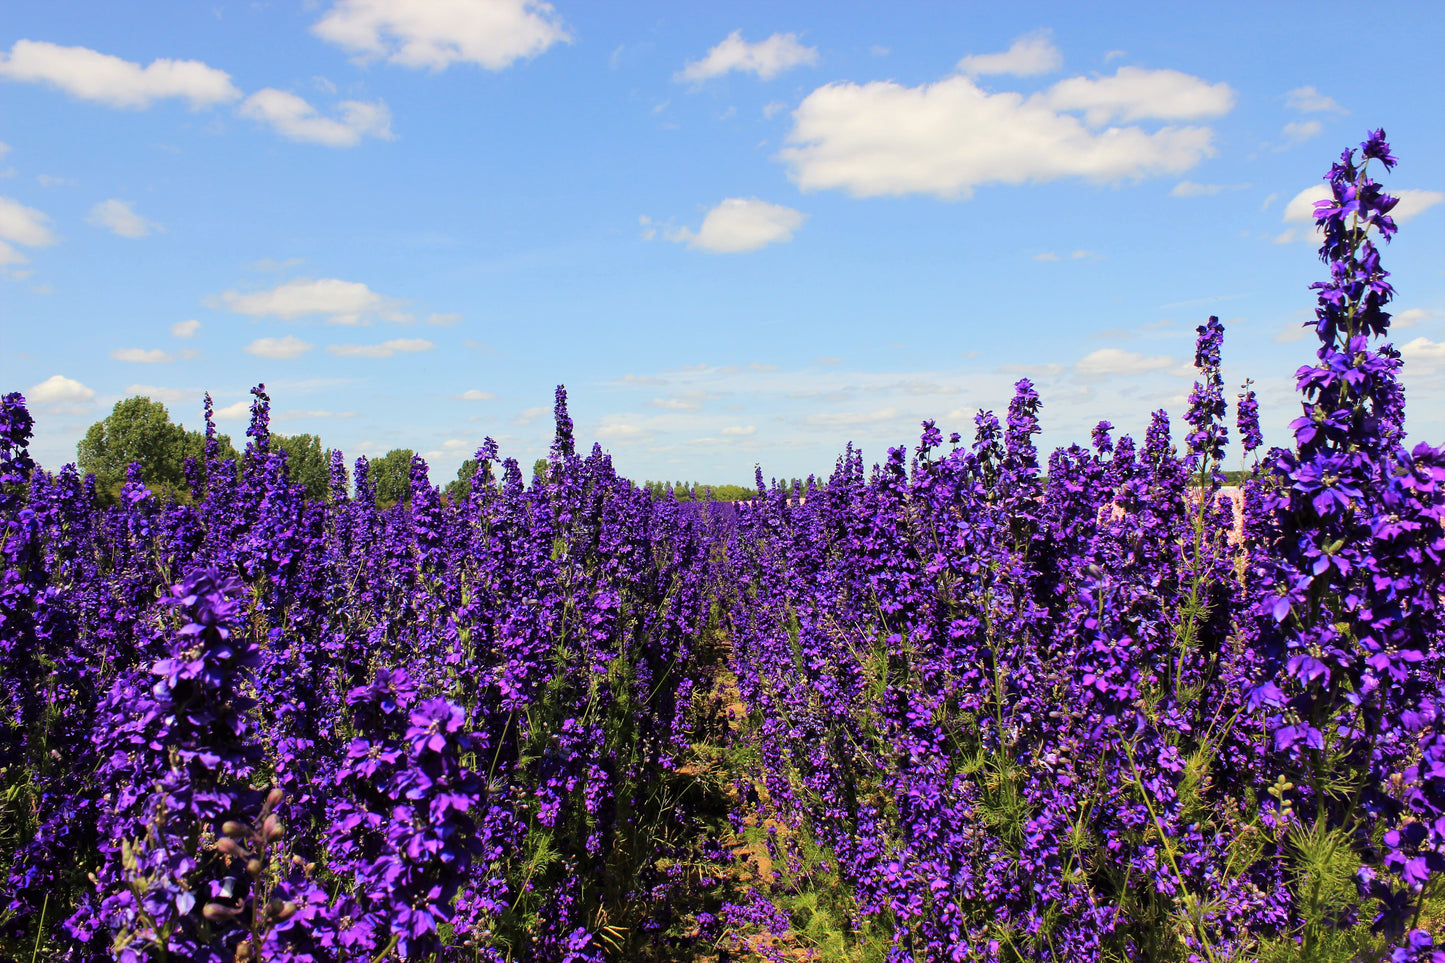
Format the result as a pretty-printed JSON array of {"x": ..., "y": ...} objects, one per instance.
[
  {"x": 140, "y": 430},
  {"x": 391, "y": 477},
  {"x": 307, "y": 463}
]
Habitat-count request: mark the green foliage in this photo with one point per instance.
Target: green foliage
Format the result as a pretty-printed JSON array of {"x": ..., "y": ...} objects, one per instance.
[
  {"x": 391, "y": 476},
  {"x": 694, "y": 491},
  {"x": 307, "y": 463},
  {"x": 140, "y": 430}
]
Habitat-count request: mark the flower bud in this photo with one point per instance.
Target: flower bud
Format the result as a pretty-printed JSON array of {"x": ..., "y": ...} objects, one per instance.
[
  {"x": 254, "y": 867},
  {"x": 233, "y": 828},
  {"x": 244, "y": 951},
  {"x": 216, "y": 912},
  {"x": 229, "y": 847},
  {"x": 273, "y": 799},
  {"x": 271, "y": 829}
]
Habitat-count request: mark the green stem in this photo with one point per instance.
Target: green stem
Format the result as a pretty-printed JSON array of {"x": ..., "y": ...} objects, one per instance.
[{"x": 40, "y": 930}]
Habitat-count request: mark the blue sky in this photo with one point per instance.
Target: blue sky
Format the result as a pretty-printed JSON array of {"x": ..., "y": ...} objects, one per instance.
[{"x": 739, "y": 233}]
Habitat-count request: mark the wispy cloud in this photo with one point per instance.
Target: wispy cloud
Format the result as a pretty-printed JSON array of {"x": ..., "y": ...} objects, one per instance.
[
  {"x": 279, "y": 349},
  {"x": 765, "y": 58},
  {"x": 142, "y": 355},
  {"x": 1029, "y": 56},
  {"x": 383, "y": 350},
  {"x": 293, "y": 118},
  {"x": 119, "y": 217},
  {"x": 338, "y": 301},
  {"x": 101, "y": 78}
]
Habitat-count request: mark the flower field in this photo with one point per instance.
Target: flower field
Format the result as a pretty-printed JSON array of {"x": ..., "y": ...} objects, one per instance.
[{"x": 973, "y": 704}]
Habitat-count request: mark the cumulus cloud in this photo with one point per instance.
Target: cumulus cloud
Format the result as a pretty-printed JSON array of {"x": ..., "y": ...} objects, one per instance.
[
  {"x": 766, "y": 58},
  {"x": 1115, "y": 361},
  {"x": 293, "y": 118},
  {"x": 1413, "y": 203},
  {"x": 1029, "y": 56},
  {"x": 279, "y": 349},
  {"x": 185, "y": 329},
  {"x": 24, "y": 225},
  {"x": 141, "y": 355},
  {"x": 1423, "y": 351},
  {"x": 59, "y": 390},
  {"x": 120, "y": 219},
  {"x": 231, "y": 412},
  {"x": 948, "y": 137},
  {"x": 1307, "y": 100},
  {"x": 528, "y": 415},
  {"x": 340, "y": 302},
  {"x": 104, "y": 79},
  {"x": 384, "y": 350},
  {"x": 741, "y": 224},
  {"x": 1301, "y": 210},
  {"x": 437, "y": 33},
  {"x": 474, "y": 394},
  {"x": 1409, "y": 317}
]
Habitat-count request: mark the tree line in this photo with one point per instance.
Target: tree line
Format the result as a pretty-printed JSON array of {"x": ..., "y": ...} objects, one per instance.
[{"x": 139, "y": 430}]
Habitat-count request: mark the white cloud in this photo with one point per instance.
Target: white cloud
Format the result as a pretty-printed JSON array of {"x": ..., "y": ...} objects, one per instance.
[
  {"x": 741, "y": 224},
  {"x": 384, "y": 350},
  {"x": 50, "y": 180},
  {"x": 773, "y": 108},
  {"x": 185, "y": 329},
  {"x": 851, "y": 419},
  {"x": 167, "y": 395},
  {"x": 437, "y": 33},
  {"x": 141, "y": 355},
  {"x": 292, "y": 117},
  {"x": 1299, "y": 131},
  {"x": 740, "y": 431},
  {"x": 473, "y": 394},
  {"x": 443, "y": 320},
  {"x": 340, "y": 302},
  {"x": 948, "y": 137},
  {"x": 1191, "y": 189},
  {"x": 1134, "y": 93},
  {"x": 119, "y": 218},
  {"x": 24, "y": 225},
  {"x": 1075, "y": 256},
  {"x": 1423, "y": 352},
  {"x": 59, "y": 390},
  {"x": 528, "y": 415},
  {"x": 1046, "y": 256},
  {"x": 8, "y": 256},
  {"x": 279, "y": 349},
  {"x": 1027, "y": 57},
  {"x": 1307, "y": 100},
  {"x": 1115, "y": 361},
  {"x": 104, "y": 79},
  {"x": 231, "y": 412},
  {"x": 620, "y": 432},
  {"x": 766, "y": 58},
  {"x": 1301, "y": 208},
  {"x": 1409, "y": 318},
  {"x": 1413, "y": 203}
]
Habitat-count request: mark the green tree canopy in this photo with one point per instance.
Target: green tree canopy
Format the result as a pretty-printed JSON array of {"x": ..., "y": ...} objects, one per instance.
[
  {"x": 307, "y": 463},
  {"x": 140, "y": 430},
  {"x": 391, "y": 476}
]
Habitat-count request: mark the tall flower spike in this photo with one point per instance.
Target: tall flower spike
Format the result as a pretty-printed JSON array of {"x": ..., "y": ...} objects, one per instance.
[{"x": 562, "y": 444}]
